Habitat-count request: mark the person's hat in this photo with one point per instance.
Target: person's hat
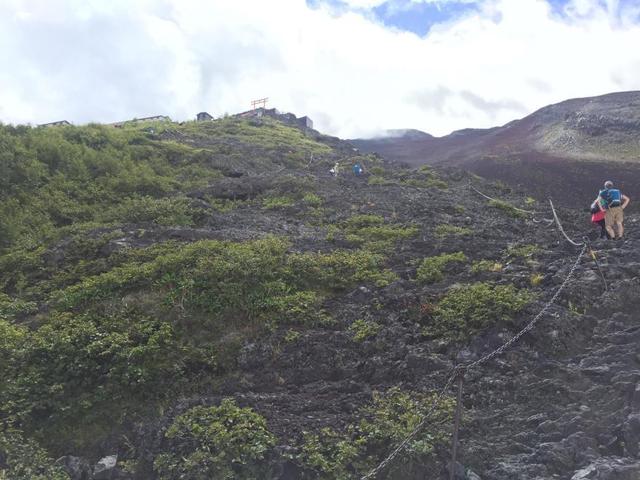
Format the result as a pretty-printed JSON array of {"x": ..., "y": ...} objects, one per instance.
[{"x": 608, "y": 184}]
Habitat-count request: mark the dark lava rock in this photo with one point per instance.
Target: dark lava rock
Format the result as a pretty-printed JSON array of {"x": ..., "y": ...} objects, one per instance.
[{"x": 77, "y": 468}]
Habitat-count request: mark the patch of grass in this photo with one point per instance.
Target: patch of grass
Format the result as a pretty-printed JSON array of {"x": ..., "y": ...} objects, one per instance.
[
  {"x": 507, "y": 208},
  {"x": 486, "y": 266},
  {"x": 372, "y": 233},
  {"x": 364, "y": 329},
  {"x": 467, "y": 309},
  {"x": 426, "y": 183},
  {"x": 312, "y": 199},
  {"x": 276, "y": 203},
  {"x": 291, "y": 336},
  {"x": 523, "y": 251},
  {"x": 446, "y": 230},
  {"x": 377, "y": 180},
  {"x": 536, "y": 279},
  {"x": 431, "y": 269}
]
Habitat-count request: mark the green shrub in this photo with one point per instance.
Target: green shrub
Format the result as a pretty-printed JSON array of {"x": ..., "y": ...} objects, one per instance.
[
  {"x": 223, "y": 442},
  {"x": 371, "y": 232},
  {"x": 446, "y": 230},
  {"x": 75, "y": 367},
  {"x": 161, "y": 211},
  {"x": 360, "y": 221},
  {"x": 364, "y": 329},
  {"x": 23, "y": 459},
  {"x": 339, "y": 269},
  {"x": 389, "y": 420},
  {"x": 312, "y": 199},
  {"x": 274, "y": 203},
  {"x": 523, "y": 251},
  {"x": 486, "y": 266},
  {"x": 536, "y": 279},
  {"x": 426, "y": 183},
  {"x": 328, "y": 454},
  {"x": 507, "y": 208},
  {"x": 431, "y": 268},
  {"x": 376, "y": 180},
  {"x": 467, "y": 309}
]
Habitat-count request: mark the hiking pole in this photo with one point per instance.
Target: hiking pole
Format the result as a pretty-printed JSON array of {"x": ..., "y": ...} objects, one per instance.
[{"x": 592, "y": 252}]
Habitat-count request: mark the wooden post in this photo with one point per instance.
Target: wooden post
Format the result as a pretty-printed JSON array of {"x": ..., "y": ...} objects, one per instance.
[{"x": 456, "y": 427}]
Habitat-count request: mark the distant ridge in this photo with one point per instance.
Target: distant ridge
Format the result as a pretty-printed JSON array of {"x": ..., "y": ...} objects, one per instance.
[{"x": 572, "y": 141}]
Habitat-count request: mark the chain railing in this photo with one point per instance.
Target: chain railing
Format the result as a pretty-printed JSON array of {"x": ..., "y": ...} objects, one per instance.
[{"x": 460, "y": 369}]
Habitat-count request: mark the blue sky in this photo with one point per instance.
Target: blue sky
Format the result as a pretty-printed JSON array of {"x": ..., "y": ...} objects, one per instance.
[{"x": 419, "y": 16}]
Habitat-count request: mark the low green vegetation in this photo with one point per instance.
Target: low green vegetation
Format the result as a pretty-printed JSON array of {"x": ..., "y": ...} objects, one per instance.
[
  {"x": 22, "y": 459},
  {"x": 536, "y": 279},
  {"x": 364, "y": 329},
  {"x": 312, "y": 199},
  {"x": 523, "y": 251},
  {"x": 274, "y": 203},
  {"x": 156, "y": 322},
  {"x": 507, "y": 208},
  {"x": 54, "y": 178},
  {"x": 392, "y": 416},
  {"x": 373, "y": 233},
  {"x": 480, "y": 266},
  {"x": 431, "y": 269},
  {"x": 467, "y": 309},
  {"x": 446, "y": 230},
  {"x": 225, "y": 442}
]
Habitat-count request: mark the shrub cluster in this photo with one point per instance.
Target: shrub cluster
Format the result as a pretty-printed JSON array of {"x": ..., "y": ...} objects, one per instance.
[
  {"x": 467, "y": 309},
  {"x": 392, "y": 416},
  {"x": 223, "y": 442},
  {"x": 431, "y": 269}
]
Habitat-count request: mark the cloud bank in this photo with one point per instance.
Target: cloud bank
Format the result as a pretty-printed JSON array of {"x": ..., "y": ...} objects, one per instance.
[{"x": 88, "y": 60}]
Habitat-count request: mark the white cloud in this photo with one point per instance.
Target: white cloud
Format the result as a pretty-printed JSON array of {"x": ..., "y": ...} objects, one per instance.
[{"x": 106, "y": 61}]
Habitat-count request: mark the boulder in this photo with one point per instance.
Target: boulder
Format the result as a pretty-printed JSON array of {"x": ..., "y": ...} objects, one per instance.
[{"x": 105, "y": 469}]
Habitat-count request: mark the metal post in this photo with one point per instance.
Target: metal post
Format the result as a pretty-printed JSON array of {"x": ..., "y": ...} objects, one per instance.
[
  {"x": 456, "y": 427},
  {"x": 595, "y": 259}
]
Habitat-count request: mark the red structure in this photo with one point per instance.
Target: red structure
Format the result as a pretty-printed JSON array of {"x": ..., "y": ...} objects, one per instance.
[{"x": 260, "y": 102}]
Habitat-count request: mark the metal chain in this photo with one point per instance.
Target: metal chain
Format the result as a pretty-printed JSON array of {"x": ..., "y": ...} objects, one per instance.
[
  {"x": 535, "y": 320},
  {"x": 462, "y": 368},
  {"x": 373, "y": 473}
]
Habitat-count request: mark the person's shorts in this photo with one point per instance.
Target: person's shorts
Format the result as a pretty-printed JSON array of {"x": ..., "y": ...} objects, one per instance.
[{"x": 614, "y": 215}]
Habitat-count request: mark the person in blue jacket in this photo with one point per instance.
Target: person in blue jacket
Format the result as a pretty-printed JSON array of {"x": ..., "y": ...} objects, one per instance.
[
  {"x": 357, "y": 170},
  {"x": 614, "y": 202}
]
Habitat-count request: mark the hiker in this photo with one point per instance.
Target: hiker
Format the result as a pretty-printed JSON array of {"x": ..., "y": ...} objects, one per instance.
[
  {"x": 597, "y": 216},
  {"x": 357, "y": 169},
  {"x": 614, "y": 203},
  {"x": 334, "y": 170}
]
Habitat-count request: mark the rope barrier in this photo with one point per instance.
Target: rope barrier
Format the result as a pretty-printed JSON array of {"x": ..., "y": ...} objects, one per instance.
[
  {"x": 459, "y": 370},
  {"x": 496, "y": 200},
  {"x": 555, "y": 217}
]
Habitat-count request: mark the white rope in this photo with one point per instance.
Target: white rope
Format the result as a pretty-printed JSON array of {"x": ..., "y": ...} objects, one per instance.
[{"x": 555, "y": 217}]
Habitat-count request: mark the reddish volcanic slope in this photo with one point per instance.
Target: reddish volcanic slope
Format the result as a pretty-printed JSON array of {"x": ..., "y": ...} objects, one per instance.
[{"x": 574, "y": 143}]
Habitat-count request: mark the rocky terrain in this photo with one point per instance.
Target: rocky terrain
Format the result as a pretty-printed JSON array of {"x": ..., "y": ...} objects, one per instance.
[
  {"x": 556, "y": 148},
  {"x": 124, "y": 340}
]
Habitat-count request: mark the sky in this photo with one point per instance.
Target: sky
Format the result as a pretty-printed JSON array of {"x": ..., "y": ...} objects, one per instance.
[{"x": 356, "y": 67}]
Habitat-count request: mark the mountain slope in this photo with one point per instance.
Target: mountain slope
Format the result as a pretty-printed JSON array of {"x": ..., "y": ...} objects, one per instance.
[
  {"x": 252, "y": 316},
  {"x": 579, "y": 138}
]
